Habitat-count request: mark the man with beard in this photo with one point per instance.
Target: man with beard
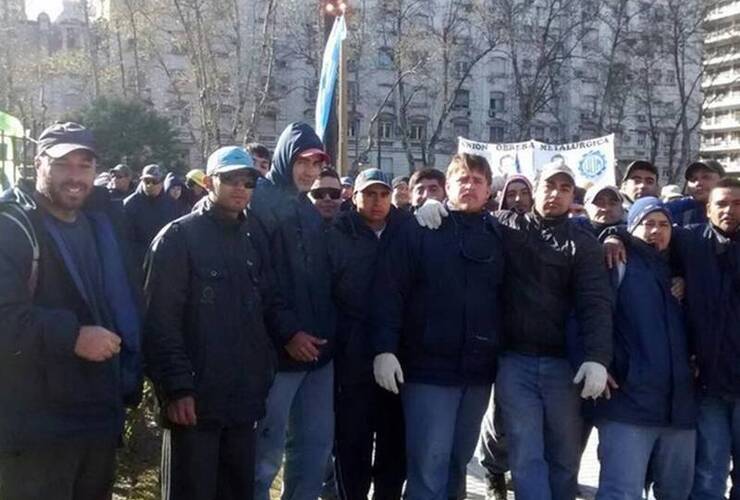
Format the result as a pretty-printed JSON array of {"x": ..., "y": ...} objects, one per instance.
[
  {"x": 701, "y": 177},
  {"x": 71, "y": 327},
  {"x": 604, "y": 207}
]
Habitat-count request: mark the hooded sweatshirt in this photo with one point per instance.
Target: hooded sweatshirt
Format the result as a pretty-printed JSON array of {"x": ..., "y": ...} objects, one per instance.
[
  {"x": 509, "y": 180},
  {"x": 296, "y": 236},
  {"x": 172, "y": 181}
]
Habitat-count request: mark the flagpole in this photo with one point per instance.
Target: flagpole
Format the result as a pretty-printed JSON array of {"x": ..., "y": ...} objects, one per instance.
[{"x": 342, "y": 129}]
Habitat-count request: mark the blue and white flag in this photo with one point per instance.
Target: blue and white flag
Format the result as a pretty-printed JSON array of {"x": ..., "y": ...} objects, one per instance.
[{"x": 329, "y": 70}]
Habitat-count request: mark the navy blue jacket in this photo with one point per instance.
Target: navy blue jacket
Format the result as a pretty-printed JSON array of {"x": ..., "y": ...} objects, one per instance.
[
  {"x": 436, "y": 302},
  {"x": 298, "y": 243},
  {"x": 651, "y": 347},
  {"x": 209, "y": 296},
  {"x": 687, "y": 211},
  {"x": 145, "y": 217},
  {"x": 710, "y": 263},
  {"x": 354, "y": 249},
  {"x": 47, "y": 392}
]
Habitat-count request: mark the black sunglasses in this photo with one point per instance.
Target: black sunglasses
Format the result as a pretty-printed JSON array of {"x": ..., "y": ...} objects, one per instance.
[
  {"x": 322, "y": 193},
  {"x": 150, "y": 182},
  {"x": 238, "y": 181}
]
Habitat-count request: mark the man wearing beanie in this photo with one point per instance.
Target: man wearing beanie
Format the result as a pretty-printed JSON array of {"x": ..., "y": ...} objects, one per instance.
[{"x": 651, "y": 415}]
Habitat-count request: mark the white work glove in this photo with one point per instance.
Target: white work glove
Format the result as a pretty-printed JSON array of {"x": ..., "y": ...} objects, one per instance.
[
  {"x": 595, "y": 379},
  {"x": 430, "y": 214},
  {"x": 387, "y": 371}
]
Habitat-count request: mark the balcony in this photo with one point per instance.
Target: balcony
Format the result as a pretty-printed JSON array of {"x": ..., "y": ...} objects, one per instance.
[
  {"x": 723, "y": 59},
  {"x": 720, "y": 126},
  {"x": 727, "y": 102},
  {"x": 723, "y": 12},
  {"x": 722, "y": 36},
  {"x": 720, "y": 79},
  {"x": 720, "y": 146}
]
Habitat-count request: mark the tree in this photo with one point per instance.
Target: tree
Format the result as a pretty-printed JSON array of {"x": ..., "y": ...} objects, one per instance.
[{"x": 127, "y": 131}]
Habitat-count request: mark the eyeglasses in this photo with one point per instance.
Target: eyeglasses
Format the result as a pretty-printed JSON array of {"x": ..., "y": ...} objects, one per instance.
[
  {"x": 238, "y": 181},
  {"x": 322, "y": 193},
  {"x": 151, "y": 182}
]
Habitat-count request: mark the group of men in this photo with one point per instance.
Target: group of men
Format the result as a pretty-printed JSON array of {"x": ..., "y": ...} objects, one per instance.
[{"x": 294, "y": 318}]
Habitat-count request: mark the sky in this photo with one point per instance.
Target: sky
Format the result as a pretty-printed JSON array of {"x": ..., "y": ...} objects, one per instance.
[{"x": 35, "y": 7}]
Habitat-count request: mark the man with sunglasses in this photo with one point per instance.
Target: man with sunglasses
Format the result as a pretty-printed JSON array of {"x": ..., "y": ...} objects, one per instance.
[
  {"x": 436, "y": 321},
  {"x": 148, "y": 210},
  {"x": 207, "y": 347},
  {"x": 325, "y": 194},
  {"x": 121, "y": 183}
]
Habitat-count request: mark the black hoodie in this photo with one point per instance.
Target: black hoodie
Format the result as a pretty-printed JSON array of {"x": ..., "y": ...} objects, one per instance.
[{"x": 296, "y": 235}]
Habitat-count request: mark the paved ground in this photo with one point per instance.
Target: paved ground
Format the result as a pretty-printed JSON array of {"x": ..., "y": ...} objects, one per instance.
[{"x": 588, "y": 477}]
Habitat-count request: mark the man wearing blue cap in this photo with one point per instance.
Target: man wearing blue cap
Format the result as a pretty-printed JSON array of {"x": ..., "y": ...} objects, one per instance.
[
  {"x": 650, "y": 417},
  {"x": 367, "y": 417},
  {"x": 206, "y": 344}
]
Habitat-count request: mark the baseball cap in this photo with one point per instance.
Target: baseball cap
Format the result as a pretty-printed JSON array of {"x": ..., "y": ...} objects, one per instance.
[
  {"x": 550, "y": 170},
  {"x": 711, "y": 165},
  {"x": 62, "y": 138},
  {"x": 122, "y": 170},
  {"x": 315, "y": 152},
  {"x": 369, "y": 177},
  {"x": 197, "y": 176},
  {"x": 594, "y": 191},
  {"x": 347, "y": 181},
  {"x": 671, "y": 192},
  {"x": 229, "y": 159},
  {"x": 153, "y": 171},
  {"x": 640, "y": 165}
]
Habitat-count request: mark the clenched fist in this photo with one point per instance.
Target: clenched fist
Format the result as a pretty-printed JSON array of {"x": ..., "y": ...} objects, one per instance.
[{"x": 95, "y": 343}]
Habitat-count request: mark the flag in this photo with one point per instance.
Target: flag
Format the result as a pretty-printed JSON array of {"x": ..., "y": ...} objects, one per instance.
[{"x": 329, "y": 71}]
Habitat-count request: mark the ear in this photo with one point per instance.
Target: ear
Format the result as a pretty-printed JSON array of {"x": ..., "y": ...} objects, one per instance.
[{"x": 208, "y": 181}]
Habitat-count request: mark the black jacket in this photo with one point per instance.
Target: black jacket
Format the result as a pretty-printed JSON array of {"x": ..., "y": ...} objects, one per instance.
[
  {"x": 554, "y": 267},
  {"x": 145, "y": 216},
  {"x": 297, "y": 239},
  {"x": 209, "y": 295},
  {"x": 47, "y": 392},
  {"x": 354, "y": 249},
  {"x": 437, "y": 303}
]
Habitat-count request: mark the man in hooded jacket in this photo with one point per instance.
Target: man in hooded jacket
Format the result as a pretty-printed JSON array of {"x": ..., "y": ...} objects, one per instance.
[{"x": 300, "y": 405}]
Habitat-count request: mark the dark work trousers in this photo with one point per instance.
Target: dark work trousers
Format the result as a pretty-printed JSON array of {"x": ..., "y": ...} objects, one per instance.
[
  {"x": 366, "y": 414},
  {"x": 208, "y": 464},
  {"x": 83, "y": 469}
]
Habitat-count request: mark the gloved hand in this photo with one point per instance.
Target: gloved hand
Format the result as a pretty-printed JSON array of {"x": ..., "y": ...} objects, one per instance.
[
  {"x": 430, "y": 214},
  {"x": 595, "y": 379},
  {"x": 387, "y": 371}
]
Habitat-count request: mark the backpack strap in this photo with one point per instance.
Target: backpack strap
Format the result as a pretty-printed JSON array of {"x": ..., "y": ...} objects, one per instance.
[{"x": 20, "y": 219}]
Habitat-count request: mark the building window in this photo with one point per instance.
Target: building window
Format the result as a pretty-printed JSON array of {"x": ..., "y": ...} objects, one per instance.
[
  {"x": 385, "y": 130},
  {"x": 71, "y": 39},
  {"x": 539, "y": 133},
  {"x": 461, "y": 67},
  {"x": 462, "y": 99},
  {"x": 418, "y": 132},
  {"x": 496, "y": 104},
  {"x": 496, "y": 134},
  {"x": 385, "y": 57},
  {"x": 462, "y": 129},
  {"x": 641, "y": 136},
  {"x": 354, "y": 128}
]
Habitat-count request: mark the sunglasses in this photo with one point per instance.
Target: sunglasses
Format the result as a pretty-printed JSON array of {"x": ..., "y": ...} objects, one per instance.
[
  {"x": 322, "y": 193},
  {"x": 238, "y": 181},
  {"x": 151, "y": 182}
]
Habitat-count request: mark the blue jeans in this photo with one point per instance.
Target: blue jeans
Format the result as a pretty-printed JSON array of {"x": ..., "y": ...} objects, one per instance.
[
  {"x": 718, "y": 440},
  {"x": 626, "y": 450},
  {"x": 492, "y": 451},
  {"x": 299, "y": 421},
  {"x": 541, "y": 410},
  {"x": 443, "y": 423}
]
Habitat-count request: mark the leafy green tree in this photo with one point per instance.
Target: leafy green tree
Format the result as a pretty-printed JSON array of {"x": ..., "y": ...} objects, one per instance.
[{"x": 128, "y": 131}]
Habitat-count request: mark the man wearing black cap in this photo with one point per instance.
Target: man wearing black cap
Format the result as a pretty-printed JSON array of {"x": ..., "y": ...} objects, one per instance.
[
  {"x": 701, "y": 177},
  {"x": 148, "y": 210},
  {"x": 207, "y": 347},
  {"x": 121, "y": 185},
  {"x": 70, "y": 338},
  {"x": 640, "y": 179},
  {"x": 366, "y": 415}
]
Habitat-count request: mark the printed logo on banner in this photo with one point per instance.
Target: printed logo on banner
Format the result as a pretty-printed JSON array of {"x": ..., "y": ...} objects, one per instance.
[{"x": 592, "y": 165}]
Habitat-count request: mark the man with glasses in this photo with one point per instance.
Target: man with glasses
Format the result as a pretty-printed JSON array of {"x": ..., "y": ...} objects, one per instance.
[
  {"x": 207, "y": 347},
  {"x": 325, "y": 194},
  {"x": 148, "y": 210},
  {"x": 436, "y": 323}
]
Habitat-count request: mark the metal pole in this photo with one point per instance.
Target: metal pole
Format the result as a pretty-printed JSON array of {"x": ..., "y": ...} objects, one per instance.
[{"x": 342, "y": 156}]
